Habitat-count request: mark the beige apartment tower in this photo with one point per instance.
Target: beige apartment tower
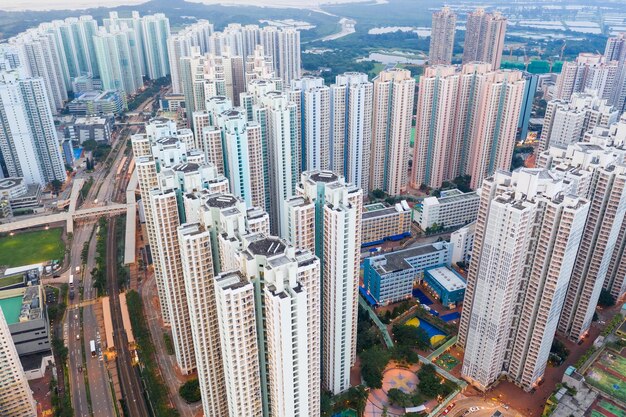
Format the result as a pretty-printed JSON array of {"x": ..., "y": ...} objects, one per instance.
[
  {"x": 16, "y": 398},
  {"x": 484, "y": 37},
  {"x": 394, "y": 92},
  {"x": 442, "y": 37},
  {"x": 197, "y": 264}
]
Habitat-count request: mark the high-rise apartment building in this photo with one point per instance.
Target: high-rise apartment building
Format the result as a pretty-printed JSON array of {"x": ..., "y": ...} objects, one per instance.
[
  {"x": 442, "y": 37},
  {"x": 283, "y": 45},
  {"x": 588, "y": 72},
  {"x": 118, "y": 60},
  {"x": 38, "y": 51},
  {"x": 466, "y": 123},
  {"x": 28, "y": 138},
  {"x": 526, "y": 239},
  {"x": 484, "y": 37},
  {"x": 277, "y": 116},
  {"x": 155, "y": 31},
  {"x": 197, "y": 264},
  {"x": 394, "y": 92},
  {"x": 235, "y": 304},
  {"x": 566, "y": 122},
  {"x": 314, "y": 99},
  {"x": 597, "y": 172},
  {"x": 351, "y": 99},
  {"x": 16, "y": 398},
  {"x": 179, "y": 45},
  {"x": 616, "y": 51},
  {"x": 336, "y": 233}
]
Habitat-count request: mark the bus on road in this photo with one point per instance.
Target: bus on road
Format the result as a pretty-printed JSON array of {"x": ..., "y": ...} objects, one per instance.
[
  {"x": 92, "y": 347},
  {"x": 71, "y": 285}
]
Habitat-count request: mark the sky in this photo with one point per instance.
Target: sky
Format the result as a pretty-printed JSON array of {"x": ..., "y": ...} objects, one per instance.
[{"x": 15, "y": 5}]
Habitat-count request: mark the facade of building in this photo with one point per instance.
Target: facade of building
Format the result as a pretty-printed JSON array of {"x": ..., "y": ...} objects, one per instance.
[
  {"x": 315, "y": 115},
  {"x": 16, "y": 398},
  {"x": 452, "y": 208},
  {"x": 351, "y": 99},
  {"x": 463, "y": 243},
  {"x": 389, "y": 278},
  {"x": 588, "y": 72},
  {"x": 96, "y": 128},
  {"x": 442, "y": 37},
  {"x": 484, "y": 37},
  {"x": 336, "y": 233},
  {"x": 526, "y": 222},
  {"x": 394, "y": 93},
  {"x": 28, "y": 139},
  {"x": 380, "y": 223},
  {"x": 466, "y": 123}
]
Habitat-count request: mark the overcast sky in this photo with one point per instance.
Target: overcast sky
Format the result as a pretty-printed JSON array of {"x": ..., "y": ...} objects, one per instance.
[{"x": 84, "y": 4}]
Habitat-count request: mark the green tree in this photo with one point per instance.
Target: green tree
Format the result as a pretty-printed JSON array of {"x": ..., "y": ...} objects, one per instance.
[
  {"x": 373, "y": 362},
  {"x": 606, "y": 299},
  {"x": 378, "y": 193},
  {"x": 55, "y": 186},
  {"x": 190, "y": 391},
  {"x": 411, "y": 336},
  {"x": 399, "y": 398}
]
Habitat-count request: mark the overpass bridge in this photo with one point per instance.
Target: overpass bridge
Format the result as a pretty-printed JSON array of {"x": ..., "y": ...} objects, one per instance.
[{"x": 67, "y": 217}]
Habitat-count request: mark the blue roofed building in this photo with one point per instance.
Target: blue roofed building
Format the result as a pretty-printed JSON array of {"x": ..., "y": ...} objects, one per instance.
[
  {"x": 446, "y": 285},
  {"x": 389, "y": 277}
]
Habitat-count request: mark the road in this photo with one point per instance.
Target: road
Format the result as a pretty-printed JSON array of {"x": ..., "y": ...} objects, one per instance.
[
  {"x": 167, "y": 363},
  {"x": 486, "y": 408},
  {"x": 78, "y": 338},
  {"x": 130, "y": 383}
]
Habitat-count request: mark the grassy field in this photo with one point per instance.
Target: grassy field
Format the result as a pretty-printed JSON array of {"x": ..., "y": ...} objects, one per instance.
[
  {"x": 610, "y": 384},
  {"x": 31, "y": 247},
  {"x": 11, "y": 280},
  {"x": 617, "y": 363}
]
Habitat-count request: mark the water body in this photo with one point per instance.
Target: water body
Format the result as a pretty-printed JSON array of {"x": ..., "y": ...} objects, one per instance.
[{"x": 388, "y": 59}]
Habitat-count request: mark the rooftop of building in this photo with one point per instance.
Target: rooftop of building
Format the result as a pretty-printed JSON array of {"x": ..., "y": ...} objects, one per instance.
[
  {"x": 447, "y": 278},
  {"x": 380, "y": 210},
  {"x": 267, "y": 246},
  {"x": 22, "y": 308},
  {"x": 324, "y": 176},
  {"x": 231, "y": 280},
  {"x": 396, "y": 260},
  {"x": 8, "y": 183},
  {"x": 221, "y": 201},
  {"x": 450, "y": 197},
  {"x": 186, "y": 167}
]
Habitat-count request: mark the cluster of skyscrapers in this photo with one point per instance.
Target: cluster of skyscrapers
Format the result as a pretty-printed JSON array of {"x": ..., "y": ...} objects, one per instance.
[
  {"x": 253, "y": 202},
  {"x": 265, "y": 319}
]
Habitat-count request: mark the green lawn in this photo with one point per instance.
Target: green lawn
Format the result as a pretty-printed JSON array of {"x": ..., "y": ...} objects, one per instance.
[
  {"x": 31, "y": 247},
  {"x": 611, "y": 385},
  {"x": 613, "y": 409},
  {"x": 618, "y": 363}
]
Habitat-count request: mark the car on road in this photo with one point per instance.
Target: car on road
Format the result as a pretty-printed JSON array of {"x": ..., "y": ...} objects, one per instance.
[
  {"x": 448, "y": 408},
  {"x": 77, "y": 336},
  {"x": 56, "y": 276}
]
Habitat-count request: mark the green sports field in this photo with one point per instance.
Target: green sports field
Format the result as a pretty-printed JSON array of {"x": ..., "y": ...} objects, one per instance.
[{"x": 31, "y": 247}]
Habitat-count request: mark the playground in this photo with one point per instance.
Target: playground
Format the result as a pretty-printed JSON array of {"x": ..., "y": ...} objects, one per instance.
[
  {"x": 435, "y": 335},
  {"x": 447, "y": 362},
  {"x": 608, "y": 374},
  {"x": 604, "y": 408}
]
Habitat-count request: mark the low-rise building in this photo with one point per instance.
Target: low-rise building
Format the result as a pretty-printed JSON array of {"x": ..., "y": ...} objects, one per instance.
[
  {"x": 25, "y": 312},
  {"x": 445, "y": 284},
  {"x": 389, "y": 277},
  {"x": 381, "y": 222},
  {"x": 452, "y": 208},
  {"x": 98, "y": 128},
  {"x": 172, "y": 102},
  {"x": 97, "y": 102},
  {"x": 16, "y": 195}
]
